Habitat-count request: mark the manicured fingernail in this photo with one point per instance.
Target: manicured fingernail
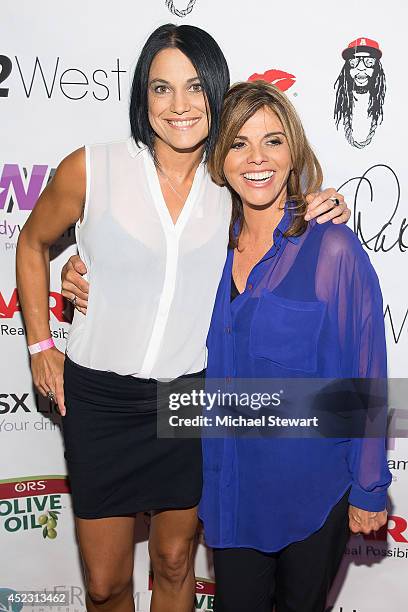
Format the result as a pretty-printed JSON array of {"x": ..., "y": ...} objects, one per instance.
[{"x": 307, "y": 217}]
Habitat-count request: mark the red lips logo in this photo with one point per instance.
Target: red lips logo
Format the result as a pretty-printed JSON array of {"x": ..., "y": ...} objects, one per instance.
[{"x": 283, "y": 80}]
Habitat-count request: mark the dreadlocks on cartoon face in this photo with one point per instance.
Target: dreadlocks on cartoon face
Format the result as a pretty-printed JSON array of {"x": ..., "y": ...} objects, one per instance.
[{"x": 360, "y": 92}]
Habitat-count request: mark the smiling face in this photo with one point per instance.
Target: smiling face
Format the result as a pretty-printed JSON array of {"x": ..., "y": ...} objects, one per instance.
[
  {"x": 176, "y": 103},
  {"x": 259, "y": 162}
]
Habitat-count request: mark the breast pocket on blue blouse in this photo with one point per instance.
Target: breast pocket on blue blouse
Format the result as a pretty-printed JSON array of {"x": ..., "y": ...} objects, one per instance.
[{"x": 287, "y": 332}]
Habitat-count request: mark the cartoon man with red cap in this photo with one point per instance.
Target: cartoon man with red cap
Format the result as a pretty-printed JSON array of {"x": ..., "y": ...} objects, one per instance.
[{"x": 360, "y": 92}]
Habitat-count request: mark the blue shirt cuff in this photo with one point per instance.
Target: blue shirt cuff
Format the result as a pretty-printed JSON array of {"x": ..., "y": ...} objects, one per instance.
[{"x": 373, "y": 501}]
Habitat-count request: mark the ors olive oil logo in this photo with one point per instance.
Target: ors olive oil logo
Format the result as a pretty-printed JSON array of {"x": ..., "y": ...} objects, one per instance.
[
  {"x": 204, "y": 594},
  {"x": 32, "y": 502}
]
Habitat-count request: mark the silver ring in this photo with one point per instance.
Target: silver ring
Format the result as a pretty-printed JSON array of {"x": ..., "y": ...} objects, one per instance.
[
  {"x": 51, "y": 396},
  {"x": 335, "y": 200},
  {"x": 74, "y": 301}
]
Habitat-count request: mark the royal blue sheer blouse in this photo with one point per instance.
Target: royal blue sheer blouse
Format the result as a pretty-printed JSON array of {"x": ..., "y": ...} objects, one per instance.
[{"x": 312, "y": 307}]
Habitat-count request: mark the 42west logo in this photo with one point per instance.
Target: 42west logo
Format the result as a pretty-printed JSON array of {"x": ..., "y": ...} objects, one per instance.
[{"x": 52, "y": 77}]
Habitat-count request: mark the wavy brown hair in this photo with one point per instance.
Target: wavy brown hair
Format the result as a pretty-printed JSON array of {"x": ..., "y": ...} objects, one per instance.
[{"x": 241, "y": 102}]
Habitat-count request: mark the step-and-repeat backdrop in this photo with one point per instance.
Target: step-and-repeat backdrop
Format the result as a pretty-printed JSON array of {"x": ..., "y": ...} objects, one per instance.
[{"x": 65, "y": 70}]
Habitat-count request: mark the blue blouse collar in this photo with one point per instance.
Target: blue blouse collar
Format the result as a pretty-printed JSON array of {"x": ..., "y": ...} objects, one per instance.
[{"x": 281, "y": 228}]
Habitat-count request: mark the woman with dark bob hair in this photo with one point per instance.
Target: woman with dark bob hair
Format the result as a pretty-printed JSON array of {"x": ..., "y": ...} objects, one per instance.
[
  {"x": 152, "y": 232},
  {"x": 297, "y": 300}
]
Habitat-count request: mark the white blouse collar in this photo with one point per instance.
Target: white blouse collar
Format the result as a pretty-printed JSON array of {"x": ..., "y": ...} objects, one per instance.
[{"x": 133, "y": 148}]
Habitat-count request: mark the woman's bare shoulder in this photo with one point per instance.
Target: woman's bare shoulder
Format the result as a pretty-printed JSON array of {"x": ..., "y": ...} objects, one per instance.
[
  {"x": 73, "y": 164},
  {"x": 70, "y": 175}
]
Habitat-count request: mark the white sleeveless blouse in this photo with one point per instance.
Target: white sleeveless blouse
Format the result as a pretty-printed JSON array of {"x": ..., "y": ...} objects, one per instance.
[{"x": 152, "y": 283}]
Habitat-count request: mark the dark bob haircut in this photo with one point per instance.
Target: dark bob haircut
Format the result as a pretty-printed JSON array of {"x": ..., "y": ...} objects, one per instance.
[{"x": 212, "y": 70}]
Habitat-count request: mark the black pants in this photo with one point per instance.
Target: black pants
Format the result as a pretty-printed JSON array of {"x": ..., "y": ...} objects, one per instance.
[{"x": 297, "y": 578}]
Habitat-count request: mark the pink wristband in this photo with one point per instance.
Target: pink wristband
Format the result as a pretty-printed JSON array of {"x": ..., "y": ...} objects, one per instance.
[{"x": 41, "y": 346}]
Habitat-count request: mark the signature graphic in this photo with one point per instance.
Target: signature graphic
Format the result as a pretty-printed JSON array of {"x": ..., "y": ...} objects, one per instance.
[
  {"x": 180, "y": 13},
  {"x": 391, "y": 233},
  {"x": 283, "y": 80},
  {"x": 395, "y": 330}
]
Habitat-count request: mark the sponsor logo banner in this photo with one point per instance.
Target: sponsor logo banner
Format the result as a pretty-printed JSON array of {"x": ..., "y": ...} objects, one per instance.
[
  {"x": 55, "y": 78},
  {"x": 204, "y": 597},
  {"x": 34, "y": 502}
]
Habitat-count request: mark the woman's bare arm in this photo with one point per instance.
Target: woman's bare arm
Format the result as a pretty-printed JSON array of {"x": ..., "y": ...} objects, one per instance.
[{"x": 59, "y": 206}]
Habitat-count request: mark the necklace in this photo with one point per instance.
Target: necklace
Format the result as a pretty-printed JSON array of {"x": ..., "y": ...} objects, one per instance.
[{"x": 171, "y": 185}]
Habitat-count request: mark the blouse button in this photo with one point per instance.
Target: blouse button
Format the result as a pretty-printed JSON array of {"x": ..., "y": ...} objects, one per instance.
[
  {"x": 228, "y": 330},
  {"x": 249, "y": 286}
]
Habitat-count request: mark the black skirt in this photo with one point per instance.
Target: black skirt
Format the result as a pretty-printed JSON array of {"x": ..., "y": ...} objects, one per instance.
[{"x": 117, "y": 465}]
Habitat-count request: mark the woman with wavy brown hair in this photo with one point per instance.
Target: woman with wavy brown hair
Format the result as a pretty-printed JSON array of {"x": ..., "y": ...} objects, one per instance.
[{"x": 297, "y": 300}]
